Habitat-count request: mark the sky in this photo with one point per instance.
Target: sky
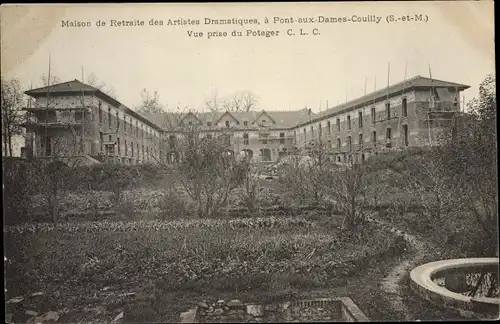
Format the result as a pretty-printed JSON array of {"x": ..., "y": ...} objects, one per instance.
[{"x": 284, "y": 72}]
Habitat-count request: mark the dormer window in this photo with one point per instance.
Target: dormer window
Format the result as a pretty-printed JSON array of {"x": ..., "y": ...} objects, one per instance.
[
  {"x": 245, "y": 123},
  {"x": 227, "y": 123}
]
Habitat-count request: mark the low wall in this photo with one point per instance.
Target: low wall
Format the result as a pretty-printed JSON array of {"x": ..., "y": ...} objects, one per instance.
[{"x": 421, "y": 282}]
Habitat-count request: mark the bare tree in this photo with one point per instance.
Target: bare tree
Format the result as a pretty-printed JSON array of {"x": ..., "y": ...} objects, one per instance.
[
  {"x": 304, "y": 174},
  {"x": 249, "y": 101},
  {"x": 207, "y": 168},
  {"x": 250, "y": 184},
  {"x": 150, "y": 103},
  {"x": 101, "y": 85},
  {"x": 241, "y": 101},
  {"x": 346, "y": 186},
  {"x": 53, "y": 80},
  {"x": 214, "y": 103},
  {"x": 471, "y": 161},
  {"x": 424, "y": 177},
  {"x": 12, "y": 102}
]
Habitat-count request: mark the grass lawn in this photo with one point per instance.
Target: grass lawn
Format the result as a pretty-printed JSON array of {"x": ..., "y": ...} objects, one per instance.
[{"x": 154, "y": 270}]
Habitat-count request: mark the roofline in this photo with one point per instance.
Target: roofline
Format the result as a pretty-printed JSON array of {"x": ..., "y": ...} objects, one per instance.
[
  {"x": 380, "y": 94},
  {"x": 262, "y": 113},
  {"x": 101, "y": 95},
  {"x": 224, "y": 114}
]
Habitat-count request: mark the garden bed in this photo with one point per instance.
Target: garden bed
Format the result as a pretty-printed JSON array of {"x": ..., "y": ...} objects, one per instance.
[{"x": 135, "y": 267}]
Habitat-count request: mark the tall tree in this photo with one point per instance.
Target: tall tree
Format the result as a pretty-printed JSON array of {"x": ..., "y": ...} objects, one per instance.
[
  {"x": 54, "y": 79},
  {"x": 12, "y": 102},
  {"x": 150, "y": 103},
  {"x": 471, "y": 159},
  {"x": 206, "y": 168},
  {"x": 240, "y": 101}
]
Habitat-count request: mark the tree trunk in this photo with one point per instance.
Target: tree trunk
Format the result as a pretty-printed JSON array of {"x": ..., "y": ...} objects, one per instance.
[{"x": 9, "y": 138}]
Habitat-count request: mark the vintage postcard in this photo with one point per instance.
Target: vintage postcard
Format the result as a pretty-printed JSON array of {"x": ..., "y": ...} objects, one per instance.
[{"x": 249, "y": 162}]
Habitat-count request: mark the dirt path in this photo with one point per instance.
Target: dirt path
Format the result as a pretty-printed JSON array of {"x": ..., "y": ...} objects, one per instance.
[{"x": 391, "y": 284}]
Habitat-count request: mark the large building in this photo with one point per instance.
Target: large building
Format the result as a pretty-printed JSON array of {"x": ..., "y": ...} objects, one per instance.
[{"x": 76, "y": 120}]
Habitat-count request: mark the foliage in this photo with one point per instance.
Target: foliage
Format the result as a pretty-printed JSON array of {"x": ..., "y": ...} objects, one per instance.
[
  {"x": 17, "y": 190},
  {"x": 208, "y": 170},
  {"x": 201, "y": 254},
  {"x": 470, "y": 155},
  {"x": 12, "y": 117}
]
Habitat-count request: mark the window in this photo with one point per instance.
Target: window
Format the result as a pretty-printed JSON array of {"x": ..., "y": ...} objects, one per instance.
[
  {"x": 110, "y": 138},
  {"x": 125, "y": 124},
  {"x": 404, "y": 108},
  {"x": 360, "y": 119},
  {"x": 388, "y": 110},
  {"x": 245, "y": 123},
  {"x": 119, "y": 146},
  {"x": 374, "y": 137},
  {"x": 209, "y": 136},
  {"x": 209, "y": 124},
  {"x": 48, "y": 146},
  {"x": 109, "y": 117},
  {"x": 132, "y": 148},
  {"x": 349, "y": 143},
  {"x": 101, "y": 138},
  {"x": 338, "y": 124},
  {"x": 264, "y": 139},
  {"x": 312, "y": 132},
  {"x": 373, "y": 115},
  {"x": 328, "y": 124},
  {"x": 117, "y": 122},
  {"x": 348, "y": 122},
  {"x": 405, "y": 135},
  {"x": 137, "y": 129},
  {"x": 126, "y": 148},
  {"x": 138, "y": 152},
  {"x": 142, "y": 148},
  {"x": 78, "y": 116},
  {"x": 305, "y": 135},
  {"x": 100, "y": 112},
  {"x": 245, "y": 139},
  {"x": 263, "y": 121},
  {"x": 282, "y": 138},
  {"x": 227, "y": 123},
  {"x": 320, "y": 131},
  {"x": 360, "y": 139},
  {"x": 388, "y": 134},
  {"x": 171, "y": 141},
  {"x": 338, "y": 143}
]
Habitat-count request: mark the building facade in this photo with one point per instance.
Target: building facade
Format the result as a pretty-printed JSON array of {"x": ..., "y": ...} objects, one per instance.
[
  {"x": 72, "y": 120},
  {"x": 411, "y": 113},
  {"x": 75, "y": 119}
]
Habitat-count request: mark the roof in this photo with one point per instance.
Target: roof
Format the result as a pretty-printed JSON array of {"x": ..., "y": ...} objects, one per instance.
[
  {"x": 74, "y": 86},
  {"x": 77, "y": 87},
  {"x": 283, "y": 119},
  {"x": 417, "y": 82}
]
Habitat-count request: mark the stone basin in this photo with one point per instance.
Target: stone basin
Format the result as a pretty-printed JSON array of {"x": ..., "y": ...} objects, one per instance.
[{"x": 341, "y": 309}]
